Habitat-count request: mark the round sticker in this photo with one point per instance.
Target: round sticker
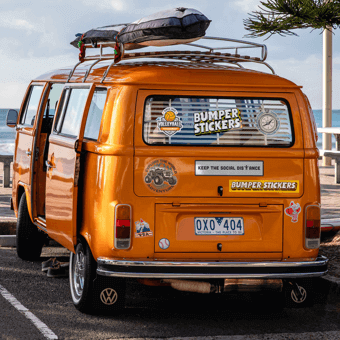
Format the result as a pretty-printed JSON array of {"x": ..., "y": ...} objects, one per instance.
[
  {"x": 268, "y": 123},
  {"x": 164, "y": 243},
  {"x": 159, "y": 176}
]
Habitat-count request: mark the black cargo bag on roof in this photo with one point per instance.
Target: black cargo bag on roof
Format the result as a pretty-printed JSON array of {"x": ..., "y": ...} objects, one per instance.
[
  {"x": 170, "y": 27},
  {"x": 95, "y": 36}
]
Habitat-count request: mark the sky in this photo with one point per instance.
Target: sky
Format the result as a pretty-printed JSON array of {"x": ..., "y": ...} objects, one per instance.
[{"x": 35, "y": 38}]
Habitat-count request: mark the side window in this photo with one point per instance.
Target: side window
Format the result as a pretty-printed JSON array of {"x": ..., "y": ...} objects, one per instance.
[
  {"x": 53, "y": 99},
  {"x": 52, "y": 102},
  {"x": 95, "y": 114},
  {"x": 31, "y": 107},
  {"x": 74, "y": 100}
]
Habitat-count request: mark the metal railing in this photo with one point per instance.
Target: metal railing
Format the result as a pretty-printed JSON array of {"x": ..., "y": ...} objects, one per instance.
[{"x": 200, "y": 53}]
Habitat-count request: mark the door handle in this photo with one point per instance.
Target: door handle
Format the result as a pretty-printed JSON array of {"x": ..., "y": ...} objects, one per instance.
[
  {"x": 49, "y": 165},
  {"x": 28, "y": 152}
]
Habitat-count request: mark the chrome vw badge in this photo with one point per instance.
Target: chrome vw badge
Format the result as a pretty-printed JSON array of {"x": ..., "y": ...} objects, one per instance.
[{"x": 108, "y": 296}]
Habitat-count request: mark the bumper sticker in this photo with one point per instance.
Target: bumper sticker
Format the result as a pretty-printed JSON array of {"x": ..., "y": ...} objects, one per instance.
[
  {"x": 211, "y": 122},
  {"x": 169, "y": 123},
  {"x": 264, "y": 186},
  {"x": 164, "y": 243},
  {"x": 142, "y": 229},
  {"x": 159, "y": 176},
  {"x": 293, "y": 211},
  {"x": 229, "y": 168}
]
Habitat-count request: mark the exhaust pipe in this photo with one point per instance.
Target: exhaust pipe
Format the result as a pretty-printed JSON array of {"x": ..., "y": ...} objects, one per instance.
[
  {"x": 230, "y": 285},
  {"x": 252, "y": 285},
  {"x": 190, "y": 286}
]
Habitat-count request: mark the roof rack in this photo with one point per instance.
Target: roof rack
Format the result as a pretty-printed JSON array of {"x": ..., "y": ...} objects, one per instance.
[{"x": 207, "y": 54}]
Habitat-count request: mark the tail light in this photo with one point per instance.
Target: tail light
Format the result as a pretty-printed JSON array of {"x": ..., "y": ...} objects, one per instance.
[
  {"x": 312, "y": 227},
  {"x": 122, "y": 230}
]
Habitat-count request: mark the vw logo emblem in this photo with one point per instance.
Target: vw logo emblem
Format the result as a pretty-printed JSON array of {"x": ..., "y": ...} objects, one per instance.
[{"x": 108, "y": 296}]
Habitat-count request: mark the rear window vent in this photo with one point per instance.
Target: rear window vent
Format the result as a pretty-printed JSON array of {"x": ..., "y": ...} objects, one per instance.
[{"x": 217, "y": 121}]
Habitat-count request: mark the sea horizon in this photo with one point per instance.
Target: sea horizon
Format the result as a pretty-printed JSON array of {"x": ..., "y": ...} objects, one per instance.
[{"x": 7, "y": 135}]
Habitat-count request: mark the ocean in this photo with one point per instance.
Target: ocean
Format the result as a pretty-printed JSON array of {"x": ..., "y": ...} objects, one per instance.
[{"x": 7, "y": 135}]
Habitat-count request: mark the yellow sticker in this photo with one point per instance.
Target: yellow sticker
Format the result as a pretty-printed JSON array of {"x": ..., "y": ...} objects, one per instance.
[{"x": 264, "y": 186}]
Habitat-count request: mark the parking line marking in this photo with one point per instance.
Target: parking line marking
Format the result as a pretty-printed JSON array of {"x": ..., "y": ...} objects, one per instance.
[{"x": 48, "y": 334}]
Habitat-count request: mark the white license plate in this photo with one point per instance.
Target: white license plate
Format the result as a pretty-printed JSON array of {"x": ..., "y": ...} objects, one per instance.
[{"x": 219, "y": 226}]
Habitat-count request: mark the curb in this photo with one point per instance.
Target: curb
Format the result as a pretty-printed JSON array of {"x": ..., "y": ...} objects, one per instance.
[
  {"x": 7, "y": 241},
  {"x": 8, "y": 227}
]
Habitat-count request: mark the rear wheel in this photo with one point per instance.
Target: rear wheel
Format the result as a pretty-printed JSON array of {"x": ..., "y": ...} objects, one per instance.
[
  {"x": 92, "y": 293},
  {"x": 29, "y": 239}
]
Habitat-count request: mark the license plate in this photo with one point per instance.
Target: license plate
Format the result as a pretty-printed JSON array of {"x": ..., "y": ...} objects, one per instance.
[{"x": 219, "y": 226}]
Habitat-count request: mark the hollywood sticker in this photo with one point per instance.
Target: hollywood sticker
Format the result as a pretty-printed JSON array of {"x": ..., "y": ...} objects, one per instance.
[
  {"x": 293, "y": 211},
  {"x": 169, "y": 123},
  {"x": 212, "y": 122}
]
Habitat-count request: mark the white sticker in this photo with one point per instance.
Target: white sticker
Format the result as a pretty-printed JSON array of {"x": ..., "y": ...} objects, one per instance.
[
  {"x": 169, "y": 123},
  {"x": 164, "y": 243},
  {"x": 211, "y": 122},
  {"x": 228, "y": 168}
]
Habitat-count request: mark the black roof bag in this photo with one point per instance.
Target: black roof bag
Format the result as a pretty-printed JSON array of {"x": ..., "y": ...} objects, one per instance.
[{"x": 170, "y": 27}]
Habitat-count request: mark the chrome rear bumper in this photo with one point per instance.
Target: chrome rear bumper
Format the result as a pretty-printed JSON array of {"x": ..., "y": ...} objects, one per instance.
[{"x": 209, "y": 270}]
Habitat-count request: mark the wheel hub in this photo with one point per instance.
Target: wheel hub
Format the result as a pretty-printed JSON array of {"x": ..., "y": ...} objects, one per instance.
[{"x": 79, "y": 269}]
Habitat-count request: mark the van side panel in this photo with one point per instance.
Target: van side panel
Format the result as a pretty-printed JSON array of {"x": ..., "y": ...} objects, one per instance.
[{"x": 108, "y": 172}]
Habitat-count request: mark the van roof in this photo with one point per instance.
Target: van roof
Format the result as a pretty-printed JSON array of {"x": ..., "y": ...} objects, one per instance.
[{"x": 170, "y": 73}]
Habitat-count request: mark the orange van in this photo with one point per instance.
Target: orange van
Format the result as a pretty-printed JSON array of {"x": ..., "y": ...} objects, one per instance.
[{"x": 176, "y": 168}]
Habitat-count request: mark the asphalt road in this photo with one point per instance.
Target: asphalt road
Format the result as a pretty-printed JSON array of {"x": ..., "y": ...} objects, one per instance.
[{"x": 155, "y": 312}]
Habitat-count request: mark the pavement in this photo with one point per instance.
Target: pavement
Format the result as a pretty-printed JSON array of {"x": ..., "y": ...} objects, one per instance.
[{"x": 330, "y": 211}]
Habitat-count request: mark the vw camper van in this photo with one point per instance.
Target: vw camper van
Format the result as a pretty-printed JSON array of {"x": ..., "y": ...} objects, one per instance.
[{"x": 186, "y": 169}]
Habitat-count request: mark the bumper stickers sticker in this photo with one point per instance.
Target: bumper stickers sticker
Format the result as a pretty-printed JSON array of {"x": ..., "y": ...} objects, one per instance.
[
  {"x": 160, "y": 176},
  {"x": 211, "y": 122},
  {"x": 142, "y": 229},
  {"x": 293, "y": 211},
  {"x": 264, "y": 186}
]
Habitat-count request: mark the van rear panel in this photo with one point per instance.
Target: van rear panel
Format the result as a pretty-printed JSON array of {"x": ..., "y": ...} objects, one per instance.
[{"x": 215, "y": 228}]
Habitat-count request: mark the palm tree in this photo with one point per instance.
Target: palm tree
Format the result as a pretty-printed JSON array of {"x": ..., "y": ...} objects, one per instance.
[{"x": 283, "y": 17}]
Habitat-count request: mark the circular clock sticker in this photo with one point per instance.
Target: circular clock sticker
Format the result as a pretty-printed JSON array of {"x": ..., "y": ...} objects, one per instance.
[{"x": 268, "y": 123}]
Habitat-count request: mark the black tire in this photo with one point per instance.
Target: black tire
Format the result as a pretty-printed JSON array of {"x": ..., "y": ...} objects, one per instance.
[
  {"x": 307, "y": 291},
  {"x": 29, "y": 239},
  {"x": 172, "y": 180},
  {"x": 148, "y": 179},
  {"x": 158, "y": 180},
  {"x": 90, "y": 292}
]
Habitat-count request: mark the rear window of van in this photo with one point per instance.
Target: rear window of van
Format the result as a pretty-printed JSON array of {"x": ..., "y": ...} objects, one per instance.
[{"x": 207, "y": 121}]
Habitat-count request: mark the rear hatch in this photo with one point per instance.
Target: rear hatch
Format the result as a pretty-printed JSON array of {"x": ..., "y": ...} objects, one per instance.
[
  {"x": 220, "y": 158},
  {"x": 208, "y": 228}
]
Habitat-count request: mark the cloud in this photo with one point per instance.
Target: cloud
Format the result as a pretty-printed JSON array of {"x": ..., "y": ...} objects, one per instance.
[
  {"x": 18, "y": 71},
  {"x": 117, "y": 5},
  {"x": 17, "y": 21},
  {"x": 246, "y": 5},
  {"x": 305, "y": 72},
  {"x": 11, "y": 94}
]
